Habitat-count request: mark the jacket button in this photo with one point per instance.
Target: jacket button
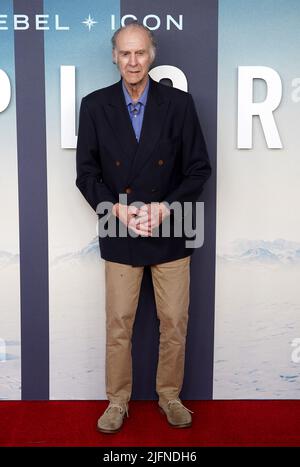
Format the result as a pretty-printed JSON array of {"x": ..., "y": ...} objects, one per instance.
[
  {"x": 160, "y": 162},
  {"x": 118, "y": 163},
  {"x": 128, "y": 190}
]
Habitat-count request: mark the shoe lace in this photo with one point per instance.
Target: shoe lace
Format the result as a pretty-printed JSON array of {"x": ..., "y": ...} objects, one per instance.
[
  {"x": 120, "y": 407},
  {"x": 176, "y": 401}
]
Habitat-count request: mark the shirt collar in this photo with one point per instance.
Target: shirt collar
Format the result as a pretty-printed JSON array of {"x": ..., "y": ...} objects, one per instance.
[{"x": 142, "y": 99}]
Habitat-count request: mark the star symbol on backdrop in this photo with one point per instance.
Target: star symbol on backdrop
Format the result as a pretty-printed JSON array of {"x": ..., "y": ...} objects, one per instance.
[{"x": 89, "y": 22}]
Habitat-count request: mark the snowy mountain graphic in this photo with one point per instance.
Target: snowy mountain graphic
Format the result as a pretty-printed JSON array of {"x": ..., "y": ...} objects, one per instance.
[
  {"x": 260, "y": 254},
  {"x": 7, "y": 258},
  {"x": 279, "y": 251},
  {"x": 88, "y": 253}
]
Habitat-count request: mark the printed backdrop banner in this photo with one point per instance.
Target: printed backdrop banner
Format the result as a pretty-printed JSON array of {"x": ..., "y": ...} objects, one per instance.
[
  {"x": 258, "y": 222},
  {"x": 239, "y": 61},
  {"x": 52, "y": 324},
  {"x": 10, "y": 363},
  {"x": 77, "y": 61}
]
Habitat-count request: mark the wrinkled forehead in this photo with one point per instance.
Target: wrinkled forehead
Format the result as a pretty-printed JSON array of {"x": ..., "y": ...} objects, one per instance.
[{"x": 132, "y": 38}]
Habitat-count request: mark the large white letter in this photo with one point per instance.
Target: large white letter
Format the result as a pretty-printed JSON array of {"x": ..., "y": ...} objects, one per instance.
[
  {"x": 156, "y": 19},
  {"x": 247, "y": 108},
  {"x": 68, "y": 108},
  {"x": 3, "y": 21},
  {"x": 179, "y": 24},
  {"x": 113, "y": 22},
  {"x": 58, "y": 27},
  {"x": 40, "y": 21},
  {"x": 21, "y": 20},
  {"x": 5, "y": 91},
  {"x": 124, "y": 18},
  {"x": 173, "y": 73}
]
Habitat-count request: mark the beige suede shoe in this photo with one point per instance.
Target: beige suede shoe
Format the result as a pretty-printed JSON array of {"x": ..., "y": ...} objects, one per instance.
[
  {"x": 177, "y": 414},
  {"x": 112, "y": 419}
]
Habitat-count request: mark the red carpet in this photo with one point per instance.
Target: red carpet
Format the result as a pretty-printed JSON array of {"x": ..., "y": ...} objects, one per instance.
[{"x": 215, "y": 423}]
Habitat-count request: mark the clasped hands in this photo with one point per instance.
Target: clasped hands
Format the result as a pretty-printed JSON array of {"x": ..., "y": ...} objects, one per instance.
[{"x": 142, "y": 220}]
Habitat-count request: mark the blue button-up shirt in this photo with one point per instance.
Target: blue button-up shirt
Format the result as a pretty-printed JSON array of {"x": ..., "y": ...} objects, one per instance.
[{"x": 136, "y": 110}]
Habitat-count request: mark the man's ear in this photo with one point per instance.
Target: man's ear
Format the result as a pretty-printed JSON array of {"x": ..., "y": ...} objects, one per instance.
[{"x": 114, "y": 60}]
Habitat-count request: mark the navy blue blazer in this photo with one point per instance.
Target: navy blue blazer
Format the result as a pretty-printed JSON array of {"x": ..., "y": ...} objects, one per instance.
[{"x": 169, "y": 163}]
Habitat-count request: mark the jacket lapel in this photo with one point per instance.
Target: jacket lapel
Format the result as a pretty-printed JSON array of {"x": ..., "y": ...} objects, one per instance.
[
  {"x": 154, "y": 116},
  {"x": 120, "y": 122}
]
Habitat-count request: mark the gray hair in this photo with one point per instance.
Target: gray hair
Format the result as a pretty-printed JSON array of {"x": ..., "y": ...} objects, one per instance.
[{"x": 136, "y": 24}]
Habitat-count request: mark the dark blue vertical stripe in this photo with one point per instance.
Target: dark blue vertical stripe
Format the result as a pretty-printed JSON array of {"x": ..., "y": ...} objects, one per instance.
[
  {"x": 195, "y": 51},
  {"x": 32, "y": 172}
]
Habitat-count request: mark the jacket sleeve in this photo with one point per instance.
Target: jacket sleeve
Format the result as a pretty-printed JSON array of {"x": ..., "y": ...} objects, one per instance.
[
  {"x": 88, "y": 165},
  {"x": 196, "y": 167}
]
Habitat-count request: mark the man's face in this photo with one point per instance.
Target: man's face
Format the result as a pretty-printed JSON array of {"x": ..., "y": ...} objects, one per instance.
[{"x": 133, "y": 56}]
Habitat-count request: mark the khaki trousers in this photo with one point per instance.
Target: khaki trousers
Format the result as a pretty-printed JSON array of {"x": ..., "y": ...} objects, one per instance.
[{"x": 171, "y": 282}]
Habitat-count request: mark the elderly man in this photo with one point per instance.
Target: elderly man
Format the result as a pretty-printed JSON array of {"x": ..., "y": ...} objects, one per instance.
[{"x": 142, "y": 140}]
